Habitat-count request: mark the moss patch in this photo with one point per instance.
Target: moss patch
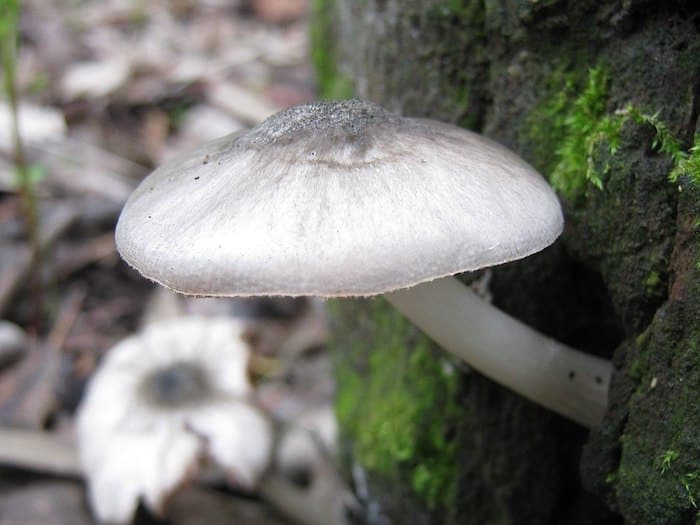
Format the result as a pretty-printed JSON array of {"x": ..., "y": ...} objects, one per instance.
[
  {"x": 571, "y": 123},
  {"x": 389, "y": 391},
  {"x": 464, "y": 22},
  {"x": 658, "y": 481},
  {"x": 688, "y": 165},
  {"x": 576, "y": 140},
  {"x": 568, "y": 127},
  {"x": 331, "y": 83}
]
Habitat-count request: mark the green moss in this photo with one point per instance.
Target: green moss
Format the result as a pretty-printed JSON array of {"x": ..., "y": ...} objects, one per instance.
[
  {"x": 575, "y": 139},
  {"x": 453, "y": 61},
  {"x": 658, "y": 476},
  {"x": 567, "y": 128},
  {"x": 331, "y": 83},
  {"x": 688, "y": 165},
  {"x": 458, "y": 9},
  {"x": 387, "y": 405},
  {"x": 685, "y": 163},
  {"x": 652, "y": 282},
  {"x": 670, "y": 481},
  {"x": 689, "y": 480},
  {"x": 666, "y": 460},
  {"x": 571, "y": 125}
]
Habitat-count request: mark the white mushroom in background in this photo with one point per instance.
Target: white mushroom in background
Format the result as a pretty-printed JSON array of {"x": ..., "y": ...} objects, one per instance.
[
  {"x": 160, "y": 405},
  {"x": 342, "y": 199}
]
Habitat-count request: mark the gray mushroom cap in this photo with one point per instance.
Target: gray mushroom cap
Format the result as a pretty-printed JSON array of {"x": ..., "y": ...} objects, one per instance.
[{"x": 335, "y": 199}]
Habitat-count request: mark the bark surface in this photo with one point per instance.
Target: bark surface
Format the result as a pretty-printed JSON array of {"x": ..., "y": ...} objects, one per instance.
[{"x": 602, "y": 98}]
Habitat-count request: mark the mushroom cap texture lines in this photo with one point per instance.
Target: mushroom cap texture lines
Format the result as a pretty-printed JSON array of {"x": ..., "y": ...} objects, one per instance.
[{"x": 335, "y": 199}]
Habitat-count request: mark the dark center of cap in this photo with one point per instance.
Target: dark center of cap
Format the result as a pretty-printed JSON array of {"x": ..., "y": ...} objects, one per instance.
[
  {"x": 177, "y": 385},
  {"x": 317, "y": 131}
]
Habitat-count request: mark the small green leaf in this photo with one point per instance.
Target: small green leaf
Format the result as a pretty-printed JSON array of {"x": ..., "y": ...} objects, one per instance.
[{"x": 35, "y": 174}]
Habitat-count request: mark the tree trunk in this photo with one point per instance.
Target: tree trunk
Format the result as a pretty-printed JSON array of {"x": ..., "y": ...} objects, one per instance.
[{"x": 603, "y": 98}]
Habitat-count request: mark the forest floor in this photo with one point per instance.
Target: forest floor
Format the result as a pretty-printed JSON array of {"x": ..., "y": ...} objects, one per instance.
[{"x": 109, "y": 89}]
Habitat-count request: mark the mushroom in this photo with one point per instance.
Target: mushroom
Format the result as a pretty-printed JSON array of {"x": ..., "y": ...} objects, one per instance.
[
  {"x": 162, "y": 402},
  {"x": 338, "y": 199}
]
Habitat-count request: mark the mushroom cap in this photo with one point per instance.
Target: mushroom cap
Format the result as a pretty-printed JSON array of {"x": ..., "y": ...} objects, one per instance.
[
  {"x": 162, "y": 401},
  {"x": 335, "y": 199}
]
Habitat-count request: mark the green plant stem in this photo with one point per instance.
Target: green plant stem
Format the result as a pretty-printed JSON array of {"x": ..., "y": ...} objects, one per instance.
[{"x": 9, "y": 19}]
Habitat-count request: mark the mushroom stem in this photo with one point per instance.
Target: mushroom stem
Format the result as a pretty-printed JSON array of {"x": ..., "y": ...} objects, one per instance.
[{"x": 569, "y": 382}]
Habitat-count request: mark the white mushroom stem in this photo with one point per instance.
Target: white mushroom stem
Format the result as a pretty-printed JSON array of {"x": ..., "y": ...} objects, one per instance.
[{"x": 569, "y": 382}]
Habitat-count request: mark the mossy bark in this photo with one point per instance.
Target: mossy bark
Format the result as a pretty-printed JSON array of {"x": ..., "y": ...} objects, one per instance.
[{"x": 589, "y": 93}]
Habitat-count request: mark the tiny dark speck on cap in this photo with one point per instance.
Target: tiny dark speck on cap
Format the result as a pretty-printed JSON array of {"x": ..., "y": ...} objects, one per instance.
[{"x": 197, "y": 177}]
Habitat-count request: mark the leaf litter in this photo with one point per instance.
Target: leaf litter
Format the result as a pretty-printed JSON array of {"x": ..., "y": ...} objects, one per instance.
[{"x": 108, "y": 90}]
